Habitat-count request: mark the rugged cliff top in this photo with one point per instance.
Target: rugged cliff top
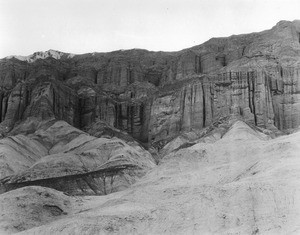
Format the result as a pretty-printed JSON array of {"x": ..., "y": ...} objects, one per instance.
[
  {"x": 275, "y": 41},
  {"x": 120, "y": 87}
]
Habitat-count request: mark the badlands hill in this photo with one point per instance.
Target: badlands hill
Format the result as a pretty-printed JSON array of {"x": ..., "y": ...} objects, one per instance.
[
  {"x": 243, "y": 183},
  {"x": 199, "y": 141}
]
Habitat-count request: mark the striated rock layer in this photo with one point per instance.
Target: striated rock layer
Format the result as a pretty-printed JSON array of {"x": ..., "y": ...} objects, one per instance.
[
  {"x": 154, "y": 96},
  {"x": 64, "y": 158}
]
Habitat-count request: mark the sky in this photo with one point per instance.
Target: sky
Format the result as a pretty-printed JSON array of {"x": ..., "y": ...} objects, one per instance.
[{"x": 83, "y": 26}]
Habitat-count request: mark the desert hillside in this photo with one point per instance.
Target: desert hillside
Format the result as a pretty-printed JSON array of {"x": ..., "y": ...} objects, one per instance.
[
  {"x": 205, "y": 140},
  {"x": 242, "y": 183}
]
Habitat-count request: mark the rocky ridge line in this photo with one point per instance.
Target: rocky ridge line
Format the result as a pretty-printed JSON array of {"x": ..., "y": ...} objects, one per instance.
[{"x": 154, "y": 96}]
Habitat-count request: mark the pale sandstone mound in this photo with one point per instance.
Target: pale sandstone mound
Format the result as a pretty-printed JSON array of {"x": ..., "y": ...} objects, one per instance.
[
  {"x": 32, "y": 206},
  {"x": 225, "y": 126},
  {"x": 209, "y": 134},
  {"x": 240, "y": 131},
  {"x": 244, "y": 183}
]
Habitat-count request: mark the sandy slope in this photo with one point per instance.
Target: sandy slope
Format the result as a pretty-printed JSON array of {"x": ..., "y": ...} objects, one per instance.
[
  {"x": 32, "y": 206},
  {"x": 244, "y": 183}
]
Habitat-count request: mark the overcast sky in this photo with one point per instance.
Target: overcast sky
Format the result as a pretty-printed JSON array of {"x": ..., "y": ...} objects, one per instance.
[{"x": 81, "y": 26}]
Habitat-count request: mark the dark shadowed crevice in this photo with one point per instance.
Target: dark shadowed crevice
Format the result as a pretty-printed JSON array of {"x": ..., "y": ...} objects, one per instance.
[
  {"x": 141, "y": 114},
  {"x": 253, "y": 100},
  {"x": 198, "y": 65},
  {"x": 69, "y": 183},
  {"x": 54, "y": 210},
  {"x": 249, "y": 92},
  {"x": 120, "y": 117},
  {"x": 243, "y": 51},
  {"x": 6, "y": 107},
  {"x": 203, "y": 103},
  {"x": 222, "y": 60},
  {"x": 130, "y": 78},
  {"x": 80, "y": 105},
  {"x": 1, "y": 99},
  {"x": 181, "y": 121},
  {"x": 95, "y": 76},
  {"x": 212, "y": 101},
  {"x": 132, "y": 108}
]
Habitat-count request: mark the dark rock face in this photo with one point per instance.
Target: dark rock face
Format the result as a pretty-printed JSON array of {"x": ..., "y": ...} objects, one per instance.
[{"x": 155, "y": 95}]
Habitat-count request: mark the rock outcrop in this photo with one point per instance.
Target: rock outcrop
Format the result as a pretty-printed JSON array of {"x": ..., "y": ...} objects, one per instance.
[{"x": 154, "y": 96}]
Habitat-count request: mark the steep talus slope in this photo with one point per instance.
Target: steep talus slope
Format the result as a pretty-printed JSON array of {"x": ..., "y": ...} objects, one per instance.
[
  {"x": 156, "y": 95},
  {"x": 243, "y": 183}
]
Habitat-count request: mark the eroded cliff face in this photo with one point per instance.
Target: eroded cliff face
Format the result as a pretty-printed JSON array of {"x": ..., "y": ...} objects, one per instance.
[
  {"x": 156, "y": 95},
  {"x": 266, "y": 98}
]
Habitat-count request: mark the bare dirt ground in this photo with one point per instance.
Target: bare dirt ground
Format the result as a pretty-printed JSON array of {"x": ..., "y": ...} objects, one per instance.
[{"x": 244, "y": 183}]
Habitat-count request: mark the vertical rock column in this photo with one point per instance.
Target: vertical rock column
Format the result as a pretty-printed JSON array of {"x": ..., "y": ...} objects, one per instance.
[
  {"x": 13, "y": 106},
  {"x": 285, "y": 90}
]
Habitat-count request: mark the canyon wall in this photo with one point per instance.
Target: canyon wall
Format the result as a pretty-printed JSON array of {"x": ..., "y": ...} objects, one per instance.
[
  {"x": 156, "y": 95},
  {"x": 263, "y": 100}
]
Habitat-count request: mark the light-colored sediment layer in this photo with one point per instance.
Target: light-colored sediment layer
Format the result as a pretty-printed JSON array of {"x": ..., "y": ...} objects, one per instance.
[{"x": 241, "y": 184}]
